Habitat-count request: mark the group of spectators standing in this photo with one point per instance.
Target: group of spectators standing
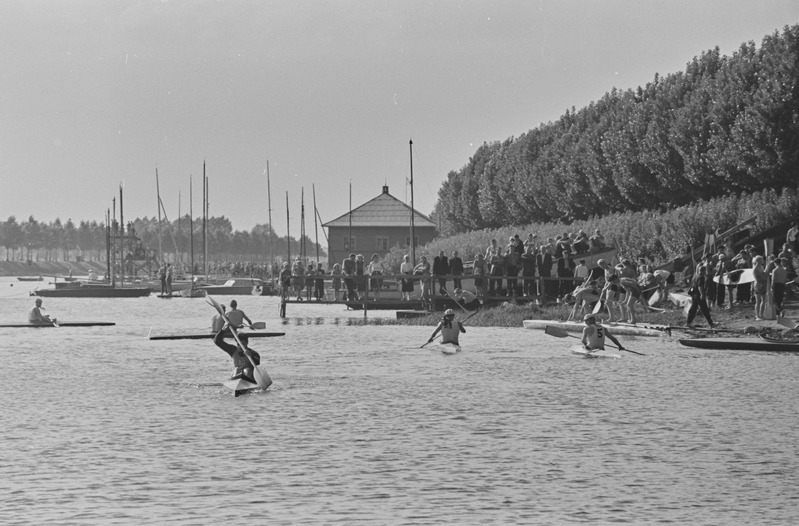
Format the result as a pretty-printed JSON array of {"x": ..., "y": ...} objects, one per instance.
[{"x": 771, "y": 272}]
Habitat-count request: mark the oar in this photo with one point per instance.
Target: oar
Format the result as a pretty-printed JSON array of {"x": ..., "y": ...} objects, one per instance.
[
  {"x": 258, "y": 325},
  {"x": 560, "y": 333},
  {"x": 456, "y": 301},
  {"x": 260, "y": 376},
  {"x": 786, "y": 322}
]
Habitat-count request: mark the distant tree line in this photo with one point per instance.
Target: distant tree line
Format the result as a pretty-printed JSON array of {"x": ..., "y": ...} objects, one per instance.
[
  {"x": 723, "y": 126},
  {"x": 35, "y": 240}
]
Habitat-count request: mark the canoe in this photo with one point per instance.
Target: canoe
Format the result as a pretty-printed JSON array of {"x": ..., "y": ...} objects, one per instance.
[
  {"x": 240, "y": 386},
  {"x": 740, "y": 344},
  {"x": 24, "y": 278},
  {"x": 60, "y": 324},
  {"x": 585, "y": 353},
  {"x": 210, "y": 335},
  {"x": 618, "y": 329},
  {"x": 449, "y": 348}
]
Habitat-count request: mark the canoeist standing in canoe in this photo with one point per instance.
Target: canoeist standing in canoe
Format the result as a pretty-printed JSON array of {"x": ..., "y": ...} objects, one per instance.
[
  {"x": 242, "y": 365},
  {"x": 449, "y": 330},
  {"x": 36, "y": 317},
  {"x": 594, "y": 335}
]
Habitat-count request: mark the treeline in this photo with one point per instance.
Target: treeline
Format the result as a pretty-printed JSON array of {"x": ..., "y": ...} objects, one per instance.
[
  {"x": 57, "y": 240},
  {"x": 660, "y": 236},
  {"x": 725, "y": 125}
]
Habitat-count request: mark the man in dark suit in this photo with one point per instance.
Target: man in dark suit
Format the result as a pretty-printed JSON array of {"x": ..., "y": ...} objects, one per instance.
[{"x": 440, "y": 269}]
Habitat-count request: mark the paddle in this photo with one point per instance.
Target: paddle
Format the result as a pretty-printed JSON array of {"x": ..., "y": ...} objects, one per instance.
[
  {"x": 261, "y": 377},
  {"x": 258, "y": 325},
  {"x": 786, "y": 322},
  {"x": 456, "y": 301},
  {"x": 560, "y": 333}
]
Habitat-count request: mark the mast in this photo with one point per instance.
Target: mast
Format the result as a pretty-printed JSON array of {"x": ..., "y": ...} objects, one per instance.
[
  {"x": 288, "y": 227},
  {"x": 121, "y": 242},
  {"x": 108, "y": 243},
  {"x": 269, "y": 209},
  {"x": 315, "y": 223},
  {"x": 349, "y": 241},
  {"x": 205, "y": 223},
  {"x": 303, "y": 252},
  {"x": 180, "y": 254},
  {"x": 413, "y": 237},
  {"x": 191, "y": 226},
  {"x": 158, "y": 195},
  {"x": 112, "y": 275}
]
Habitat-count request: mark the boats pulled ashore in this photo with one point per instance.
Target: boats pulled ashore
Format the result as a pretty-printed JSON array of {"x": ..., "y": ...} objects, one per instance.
[{"x": 623, "y": 329}]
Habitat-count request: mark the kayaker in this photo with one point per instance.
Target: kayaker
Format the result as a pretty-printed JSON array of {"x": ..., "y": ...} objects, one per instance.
[
  {"x": 237, "y": 316},
  {"x": 449, "y": 330},
  {"x": 242, "y": 366},
  {"x": 594, "y": 335},
  {"x": 36, "y": 317}
]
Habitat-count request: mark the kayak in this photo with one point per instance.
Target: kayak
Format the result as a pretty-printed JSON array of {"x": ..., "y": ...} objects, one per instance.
[
  {"x": 449, "y": 348},
  {"x": 585, "y": 353},
  {"x": 240, "y": 386},
  {"x": 740, "y": 344},
  {"x": 622, "y": 329},
  {"x": 210, "y": 335},
  {"x": 60, "y": 324}
]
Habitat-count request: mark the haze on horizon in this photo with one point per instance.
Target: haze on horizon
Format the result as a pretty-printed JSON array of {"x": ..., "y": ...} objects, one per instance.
[{"x": 97, "y": 94}]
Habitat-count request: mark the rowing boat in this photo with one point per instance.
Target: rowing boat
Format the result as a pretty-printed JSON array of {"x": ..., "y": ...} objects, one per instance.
[
  {"x": 585, "y": 353},
  {"x": 740, "y": 344},
  {"x": 60, "y": 324},
  {"x": 623, "y": 329},
  {"x": 209, "y": 335}
]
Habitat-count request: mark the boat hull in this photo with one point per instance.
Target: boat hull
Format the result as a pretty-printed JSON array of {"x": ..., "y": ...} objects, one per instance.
[
  {"x": 577, "y": 327},
  {"x": 210, "y": 335},
  {"x": 93, "y": 292},
  {"x": 740, "y": 344},
  {"x": 60, "y": 324}
]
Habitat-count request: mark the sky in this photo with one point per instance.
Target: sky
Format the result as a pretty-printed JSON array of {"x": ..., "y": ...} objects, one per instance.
[{"x": 327, "y": 94}]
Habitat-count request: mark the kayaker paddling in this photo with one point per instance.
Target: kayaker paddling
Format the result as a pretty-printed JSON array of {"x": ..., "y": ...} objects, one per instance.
[
  {"x": 594, "y": 335},
  {"x": 450, "y": 330},
  {"x": 36, "y": 317}
]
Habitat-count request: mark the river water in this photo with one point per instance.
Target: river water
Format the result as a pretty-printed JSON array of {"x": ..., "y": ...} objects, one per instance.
[{"x": 102, "y": 426}]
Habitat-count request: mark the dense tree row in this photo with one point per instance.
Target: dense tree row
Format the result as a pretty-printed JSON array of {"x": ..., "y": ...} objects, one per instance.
[
  {"x": 36, "y": 240},
  {"x": 725, "y": 125}
]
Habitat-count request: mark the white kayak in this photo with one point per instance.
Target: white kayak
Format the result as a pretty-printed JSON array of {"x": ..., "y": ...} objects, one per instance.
[
  {"x": 240, "y": 385},
  {"x": 622, "y": 329},
  {"x": 449, "y": 348},
  {"x": 585, "y": 353}
]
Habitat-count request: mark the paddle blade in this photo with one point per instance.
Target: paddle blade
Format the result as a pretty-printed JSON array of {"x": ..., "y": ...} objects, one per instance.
[
  {"x": 556, "y": 331},
  {"x": 258, "y": 325},
  {"x": 785, "y": 322},
  {"x": 597, "y": 307}
]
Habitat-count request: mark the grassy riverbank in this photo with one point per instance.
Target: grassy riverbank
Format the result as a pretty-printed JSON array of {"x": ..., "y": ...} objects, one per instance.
[{"x": 50, "y": 268}]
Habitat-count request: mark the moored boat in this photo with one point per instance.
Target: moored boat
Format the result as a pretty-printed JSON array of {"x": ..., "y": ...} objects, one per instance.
[
  {"x": 740, "y": 344},
  {"x": 239, "y": 286},
  {"x": 81, "y": 289},
  {"x": 30, "y": 278}
]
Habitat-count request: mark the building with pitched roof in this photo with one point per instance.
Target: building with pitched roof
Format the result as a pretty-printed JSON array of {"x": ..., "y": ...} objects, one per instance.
[{"x": 375, "y": 227}]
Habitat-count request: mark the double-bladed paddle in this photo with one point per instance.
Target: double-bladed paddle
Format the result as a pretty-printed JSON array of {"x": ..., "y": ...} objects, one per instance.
[
  {"x": 261, "y": 377},
  {"x": 560, "y": 333}
]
